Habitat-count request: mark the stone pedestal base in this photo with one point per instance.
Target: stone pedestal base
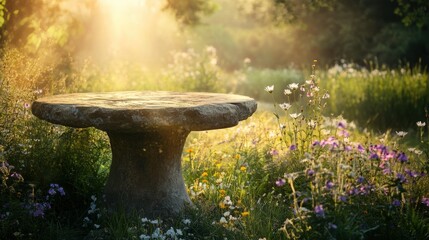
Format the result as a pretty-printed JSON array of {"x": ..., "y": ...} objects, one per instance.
[{"x": 146, "y": 172}]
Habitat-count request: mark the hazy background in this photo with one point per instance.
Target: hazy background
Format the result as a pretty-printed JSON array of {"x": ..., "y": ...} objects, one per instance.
[{"x": 271, "y": 33}]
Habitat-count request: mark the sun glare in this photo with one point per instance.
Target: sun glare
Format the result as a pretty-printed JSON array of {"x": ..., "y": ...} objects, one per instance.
[{"x": 131, "y": 30}]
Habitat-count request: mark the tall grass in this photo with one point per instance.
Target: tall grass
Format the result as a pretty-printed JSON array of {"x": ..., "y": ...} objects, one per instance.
[{"x": 378, "y": 97}]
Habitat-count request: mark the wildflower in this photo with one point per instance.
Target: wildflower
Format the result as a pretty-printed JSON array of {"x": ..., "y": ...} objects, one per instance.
[
  {"x": 223, "y": 220},
  {"x": 329, "y": 185},
  {"x": 418, "y": 152},
  {"x": 402, "y": 157},
  {"x": 332, "y": 226},
  {"x": 17, "y": 176},
  {"x": 274, "y": 152},
  {"x": 204, "y": 174},
  {"x": 396, "y": 203},
  {"x": 400, "y": 178},
  {"x": 401, "y": 133},
  {"x": 425, "y": 201},
  {"x": 226, "y": 214},
  {"x": 292, "y": 147},
  {"x": 269, "y": 89},
  {"x": 342, "y": 198},
  {"x": 186, "y": 221},
  {"x": 293, "y": 86},
  {"x": 319, "y": 211},
  {"x": 170, "y": 232},
  {"x": 341, "y": 124},
  {"x": 243, "y": 168},
  {"x": 144, "y": 237},
  {"x": 326, "y": 96},
  {"x": 360, "y": 179},
  {"x": 154, "y": 222},
  {"x": 227, "y": 200},
  {"x": 222, "y": 192},
  {"x": 421, "y": 124},
  {"x": 156, "y": 234},
  {"x": 311, "y": 123},
  {"x": 287, "y": 92},
  {"x": 310, "y": 172},
  {"x": 280, "y": 182},
  {"x": 211, "y": 49},
  {"x": 27, "y": 105},
  {"x": 285, "y": 106},
  {"x": 361, "y": 148},
  {"x": 245, "y": 214},
  {"x": 295, "y": 115}
]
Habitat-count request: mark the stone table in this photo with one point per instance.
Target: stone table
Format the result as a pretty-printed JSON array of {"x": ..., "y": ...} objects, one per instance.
[{"x": 147, "y": 132}]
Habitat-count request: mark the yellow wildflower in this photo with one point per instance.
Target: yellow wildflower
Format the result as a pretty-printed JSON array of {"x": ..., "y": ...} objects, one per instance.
[
  {"x": 205, "y": 174},
  {"x": 245, "y": 214},
  {"x": 243, "y": 168}
]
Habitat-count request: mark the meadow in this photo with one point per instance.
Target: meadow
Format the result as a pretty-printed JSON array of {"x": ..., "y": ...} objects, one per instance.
[{"x": 334, "y": 153}]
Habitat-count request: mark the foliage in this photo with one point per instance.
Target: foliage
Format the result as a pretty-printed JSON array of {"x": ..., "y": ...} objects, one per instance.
[
  {"x": 189, "y": 12},
  {"x": 376, "y": 96}
]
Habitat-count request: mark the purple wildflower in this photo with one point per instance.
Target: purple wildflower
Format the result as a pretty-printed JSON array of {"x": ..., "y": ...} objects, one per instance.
[
  {"x": 329, "y": 185},
  {"x": 332, "y": 226},
  {"x": 343, "y": 198},
  {"x": 401, "y": 178},
  {"x": 402, "y": 157},
  {"x": 411, "y": 173},
  {"x": 396, "y": 203},
  {"x": 316, "y": 143},
  {"x": 425, "y": 201},
  {"x": 319, "y": 211},
  {"x": 38, "y": 209},
  {"x": 280, "y": 182},
  {"x": 360, "y": 179},
  {"x": 274, "y": 152},
  {"x": 16, "y": 175},
  {"x": 52, "y": 191},
  {"x": 341, "y": 125},
  {"x": 344, "y": 133},
  {"x": 361, "y": 148},
  {"x": 310, "y": 172},
  {"x": 374, "y": 156},
  {"x": 387, "y": 171},
  {"x": 292, "y": 147}
]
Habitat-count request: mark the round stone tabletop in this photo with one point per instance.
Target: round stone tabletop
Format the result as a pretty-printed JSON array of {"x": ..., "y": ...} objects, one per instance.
[{"x": 141, "y": 111}]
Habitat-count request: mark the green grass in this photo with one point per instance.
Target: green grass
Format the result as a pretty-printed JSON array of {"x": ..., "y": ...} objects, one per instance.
[{"x": 273, "y": 176}]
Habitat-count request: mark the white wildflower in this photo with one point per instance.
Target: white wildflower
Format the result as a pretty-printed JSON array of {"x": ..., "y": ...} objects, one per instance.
[
  {"x": 401, "y": 133},
  {"x": 295, "y": 115},
  {"x": 269, "y": 89},
  {"x": 285, "y": 106},
  {"x": 186, "y": 221},
  {"x": 293, "y": 86},
  {"x": 421, "y": 124},
  {"x": 223, "y": 220},
  {"x": 287, "y": 92}
]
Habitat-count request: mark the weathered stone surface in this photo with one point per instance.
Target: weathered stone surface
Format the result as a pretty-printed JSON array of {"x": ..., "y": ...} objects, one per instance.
[
  {"x": 140, "y": 111},
  {"x": 147, "y": 131}
]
